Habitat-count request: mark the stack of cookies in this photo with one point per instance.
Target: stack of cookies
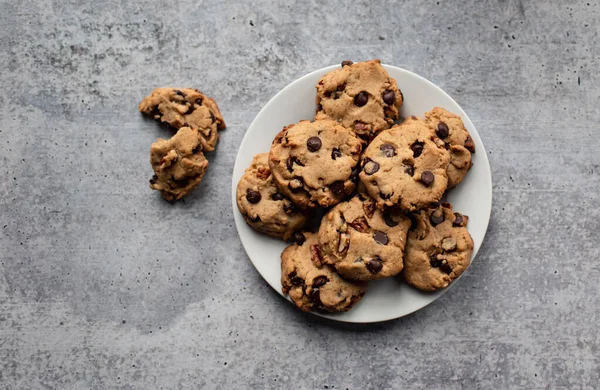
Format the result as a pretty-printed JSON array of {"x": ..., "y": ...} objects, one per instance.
[
  {"x": 179, "y": 162},
  {"x": 372, "y": 186}
]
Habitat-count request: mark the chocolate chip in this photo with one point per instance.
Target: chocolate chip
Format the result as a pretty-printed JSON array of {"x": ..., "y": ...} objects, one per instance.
[
  {"x": 295, "y": 279},
  {"x": 389, "y": 220},
  {"x": 335, "y": 153},
  {"x": 458, "y": 219},
  {"x": 313, "y": 144},
  {"x": 319, "y": 107},
  {"x": 417, "y": 149},
  {"x": 190, "y": 109},
  {"x": 197, "y": 148},
  {"x": 341, "y": 87},
  {"x": 427, "y": 178},
  {"x": 181, "y": 183},
  {"x": 359, "y": 126},
  {"x": 434, "y": 261},
  {"x": 388, "y": 150},
  {"x": 255, "y": 219},
  {"x": 389, "y": 97},
  {"x": 361, "y": 99},
  {"x": 384, "y": 196},
  {"x": 277, "y": 196},
  {"x": 299, "y": 238},
  {"x": 178, "y": 92},
  {"x": 337, "y": 187},
  {"x": 442, "y": 130},
  {"x": 375, "y": 265},
  {"x": 296, "y": 184},
  {"x": 409, "y": 170},
  {"x": 253, "y": 196},
  {"x": 315, "y": 297},
  {"x": 347, "y": 63},
  {"x": 289, "y": 208},
  {"x": 290, "y": 163},
  {"x": 445, "y": 267},
  {"x": 439, "y": 261},
  {"x": 198, "y": 101},
  {"x": 469, "y": 144},
  {"x": 371, "y": 167},
  {"x": 154, "y": 179},
  {"x": 320, "y": 281},
  {"x": 436, "y": 217},
  {"x": 381, "y": 238}
]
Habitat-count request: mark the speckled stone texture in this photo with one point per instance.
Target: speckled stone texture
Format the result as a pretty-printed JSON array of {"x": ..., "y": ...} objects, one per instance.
[{"x": 105, "y": 285}]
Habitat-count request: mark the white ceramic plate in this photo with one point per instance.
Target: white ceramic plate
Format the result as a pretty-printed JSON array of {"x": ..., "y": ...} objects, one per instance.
[{"x": 389, "y": 298}]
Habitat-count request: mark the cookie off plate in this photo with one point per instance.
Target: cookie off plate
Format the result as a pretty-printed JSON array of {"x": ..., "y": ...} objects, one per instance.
[{"x": 388, "y": 298}]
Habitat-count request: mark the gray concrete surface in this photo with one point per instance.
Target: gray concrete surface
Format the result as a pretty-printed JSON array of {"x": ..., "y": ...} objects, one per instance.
[{"x": 104, "y": 285}]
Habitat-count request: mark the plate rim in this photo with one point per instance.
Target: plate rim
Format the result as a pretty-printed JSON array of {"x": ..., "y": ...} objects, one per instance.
[{"x": 488, "y": 179}]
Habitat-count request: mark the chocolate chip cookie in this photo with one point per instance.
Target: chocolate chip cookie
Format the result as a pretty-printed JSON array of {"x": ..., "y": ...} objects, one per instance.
[
  {"x": 314, "y": 163},
  {"x": 406, "y": 166},
  {"x": 312, "y": 285},
  {"x": 178, "y": 164},
  {"x": 363, "y": 242},
  {"x": 451, "y": 129},
  {"x": 361, "y": 96},
  {"x": 263, "y": 206},
  {"x": 179, "y": 107},
  {"x": 438, "y": 250}
]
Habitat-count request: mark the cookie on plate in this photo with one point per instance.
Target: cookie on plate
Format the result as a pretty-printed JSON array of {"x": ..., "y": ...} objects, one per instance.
[
  {"x": 361, "y": 96},
  {"x": 263, "y": 206},
  {"x": 178, "y": 164},
  {"x": 451, "y": 129},
  {"x": 313, "y": 285},
  {"x": 406, "y": 166},
  {"x": 363, "y": 242},
  {"x": 314, "y": 163},
  {"x": 179, "y": 107},
  {"x": 438, "y": 249}
]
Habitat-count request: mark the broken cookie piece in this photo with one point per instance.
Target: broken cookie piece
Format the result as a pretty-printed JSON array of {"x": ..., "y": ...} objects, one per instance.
[
  {"x": 186, "y": 107},
  {"x": 178, "y": 164}
]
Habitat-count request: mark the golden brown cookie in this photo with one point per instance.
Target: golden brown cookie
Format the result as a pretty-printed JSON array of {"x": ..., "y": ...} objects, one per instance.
[
  {"x": 361, "y": 96},
  {"x": 263, "y": 206},
  {"x": 438, "y": 249},
  {"x": 363, "y": 242},
  {"x": 312, "y": 285},
  {"x": 179, "y": 107},
  {"x": 314, "y": 163},
  {"x": 178, "y": 164},
  {"x": 451, "y": 129},
  {"x": 405, "y": 166}
]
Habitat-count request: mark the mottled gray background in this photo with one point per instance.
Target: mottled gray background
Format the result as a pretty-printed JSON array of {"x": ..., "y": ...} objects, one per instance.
[{"x": 105, "y": 285}]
